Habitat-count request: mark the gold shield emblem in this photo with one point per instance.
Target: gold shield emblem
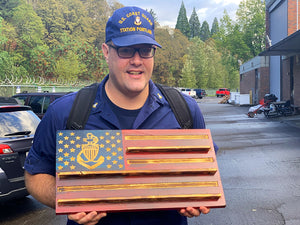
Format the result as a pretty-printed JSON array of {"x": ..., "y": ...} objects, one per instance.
[
  {"x": 138, "y": 21},
  {"x": 89, "y": 155}
]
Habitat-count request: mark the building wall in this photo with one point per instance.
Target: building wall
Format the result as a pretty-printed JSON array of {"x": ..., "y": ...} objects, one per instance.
[
  {"x": 248, "y": 78},
  {"x": 293, "y": 26},
  {"x": 297, "y": 81},
  {"x": 278, "y": 31},
  {"x": 247, "y": 82},
  {"x": 264, "y": 82},
  {"x": 282, "y": 20},
  {"x": 293, "y": 16},
  {"x": 286, "y": 80},
  {"x": 278, "y": 15}
]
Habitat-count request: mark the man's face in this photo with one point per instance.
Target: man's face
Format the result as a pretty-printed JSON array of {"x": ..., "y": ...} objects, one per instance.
[{"x": 130, "y": 76}]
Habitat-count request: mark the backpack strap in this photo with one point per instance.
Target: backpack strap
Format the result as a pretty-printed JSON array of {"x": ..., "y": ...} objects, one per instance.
[
  {"x": 85, "y": 97},
  {"x": 82, "y": 107},
  {"x": 178, "y": 105}
]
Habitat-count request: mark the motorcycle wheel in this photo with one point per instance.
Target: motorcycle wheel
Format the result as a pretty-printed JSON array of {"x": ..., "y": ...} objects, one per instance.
[{"x": 251, "y": 114}]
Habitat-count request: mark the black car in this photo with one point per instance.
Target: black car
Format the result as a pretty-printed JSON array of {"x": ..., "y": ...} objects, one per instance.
[
  {"x": 39, "y": 102},
  {"x": 8, "y": 101},
  {"x": 200, "y": 93},
  {"x": 17, "y": 128}
]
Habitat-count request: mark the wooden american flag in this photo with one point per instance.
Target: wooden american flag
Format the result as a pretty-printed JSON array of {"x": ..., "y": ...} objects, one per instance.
[{"x": 127, "y": 170}]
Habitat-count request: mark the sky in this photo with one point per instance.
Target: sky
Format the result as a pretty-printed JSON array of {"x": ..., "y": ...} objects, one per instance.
[{"x": 168, "y": 10}]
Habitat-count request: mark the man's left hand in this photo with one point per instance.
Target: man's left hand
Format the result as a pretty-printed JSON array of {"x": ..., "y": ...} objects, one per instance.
[{"x": 194, "y": 212}]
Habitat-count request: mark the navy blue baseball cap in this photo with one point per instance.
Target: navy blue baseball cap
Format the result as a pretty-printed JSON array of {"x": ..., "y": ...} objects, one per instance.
[{"x": 130, "y": 26}]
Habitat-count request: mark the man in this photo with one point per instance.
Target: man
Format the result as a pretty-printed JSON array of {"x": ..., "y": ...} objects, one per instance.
[{"x": 126, "y": 99}]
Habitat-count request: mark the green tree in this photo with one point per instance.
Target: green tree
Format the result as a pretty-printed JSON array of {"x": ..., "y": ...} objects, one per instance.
[
  {"x": 29, "y": 26},
  {"x": 42, "y": 62},
  {"x": 204, "y": 31},
  {"x": 6, "y": 8},
  {"x": 182, "y": 23},
  {"x": 194, "y": 24},
  {"x": 51, "y": 13},
  {"x": 94, "y": 60},
  {"x": 205, "y": 63},
  {"x": 197, "y": 54},
  {"x": 188, "y": 78},
  {"x": 215, "y": 27},
  {"x": 231, "y": 38},
  {"x": 9, "y": 37},
  {"x": 169, "y": 59},
  {"x": 68, "y": 68},
  {"x": 3, "y": 38},
  {"x": 69, "y": 17},
  {"x": 87, "y": 55},
  {"x": 251, "y": 18},
  {"x": 218, "y": 75},
  {"x": 153, "y": 14},
  {"x": 10, "y": 67},
  {"x": 98, "y": 12},
  {"x": 77, "y": 22}
]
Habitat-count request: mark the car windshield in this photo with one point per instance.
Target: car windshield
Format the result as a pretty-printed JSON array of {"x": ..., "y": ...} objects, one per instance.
[{"x": 18, "y": 123}]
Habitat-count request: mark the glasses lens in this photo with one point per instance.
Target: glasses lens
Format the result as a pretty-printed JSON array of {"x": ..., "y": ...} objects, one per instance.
[
  {"x": 126, "y": 52},
  {"x": 147, "y": 52}
]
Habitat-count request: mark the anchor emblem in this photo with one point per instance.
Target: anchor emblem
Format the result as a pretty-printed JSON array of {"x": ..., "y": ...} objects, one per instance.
[{"x": 89, "y": 156}]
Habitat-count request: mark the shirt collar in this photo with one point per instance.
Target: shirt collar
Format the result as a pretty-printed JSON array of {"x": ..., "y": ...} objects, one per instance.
[{"x": 155, "y": 96}]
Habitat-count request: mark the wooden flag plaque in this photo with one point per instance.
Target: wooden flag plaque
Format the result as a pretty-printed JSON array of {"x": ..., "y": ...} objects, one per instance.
[{"x": 128, "y": 170}]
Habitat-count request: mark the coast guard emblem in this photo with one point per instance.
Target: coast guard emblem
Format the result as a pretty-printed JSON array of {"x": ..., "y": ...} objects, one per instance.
[
  {"x": 89, "y": 155},
  {"x": 138, "y": 21}
]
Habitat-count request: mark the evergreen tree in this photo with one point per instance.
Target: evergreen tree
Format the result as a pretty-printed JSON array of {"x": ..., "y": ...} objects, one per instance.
[
  {"x": 215, "y": 27},
  {"x": 153, "y": 14},
  {"x": 194, "y": 24},
  {"x": 6, "y": 8},
  {"x": 204, "y": 32},
  {"x": 182, "y": 22}
]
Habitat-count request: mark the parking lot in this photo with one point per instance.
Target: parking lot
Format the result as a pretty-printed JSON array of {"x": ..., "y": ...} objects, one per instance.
[{"x": 259, "y": 162}]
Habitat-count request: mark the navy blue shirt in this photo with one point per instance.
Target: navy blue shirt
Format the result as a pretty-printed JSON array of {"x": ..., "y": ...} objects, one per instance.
[{"x": 155, "y": 114}]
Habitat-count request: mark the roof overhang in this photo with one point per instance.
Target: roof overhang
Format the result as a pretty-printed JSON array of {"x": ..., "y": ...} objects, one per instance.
[{"x": 288, "y": 46}]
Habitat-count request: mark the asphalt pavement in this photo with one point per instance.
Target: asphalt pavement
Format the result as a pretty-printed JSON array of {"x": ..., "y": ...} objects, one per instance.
[{"x": 259, "y": 162}]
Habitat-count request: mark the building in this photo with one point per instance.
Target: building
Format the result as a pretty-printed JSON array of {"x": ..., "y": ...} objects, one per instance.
[
  {"x": 283, "y": 51},
  {"x": 255, "y": 78}
]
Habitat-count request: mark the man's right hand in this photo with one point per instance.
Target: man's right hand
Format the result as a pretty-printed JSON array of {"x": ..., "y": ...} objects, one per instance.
[{"x": 90, "y": 218}]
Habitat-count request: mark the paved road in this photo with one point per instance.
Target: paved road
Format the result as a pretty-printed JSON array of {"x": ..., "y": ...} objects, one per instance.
[{"x": 259, "y": 162}]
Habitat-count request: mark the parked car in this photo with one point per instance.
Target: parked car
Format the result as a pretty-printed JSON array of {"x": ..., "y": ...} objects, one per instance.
[
  {"x": 222, "y": 92},
  {"x": 188, "y": 91},
  {"x": 200, "y": 93},
  {"x": 17, "y": 128},
  {"x": 39, "y": 102},
  {"x": 8, "y": 101}
]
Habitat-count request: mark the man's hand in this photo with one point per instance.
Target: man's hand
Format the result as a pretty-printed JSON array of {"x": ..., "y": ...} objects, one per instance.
[
  {"x": 91, "y": 218},
  {"x": 194, "y": 212}
]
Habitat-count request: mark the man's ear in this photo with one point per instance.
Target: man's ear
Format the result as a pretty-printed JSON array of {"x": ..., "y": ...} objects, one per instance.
[{"x": 105, "y": 49}]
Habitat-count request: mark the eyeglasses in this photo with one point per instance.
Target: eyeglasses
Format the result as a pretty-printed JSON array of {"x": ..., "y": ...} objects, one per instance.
[{"x": 129, "y": 52}]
